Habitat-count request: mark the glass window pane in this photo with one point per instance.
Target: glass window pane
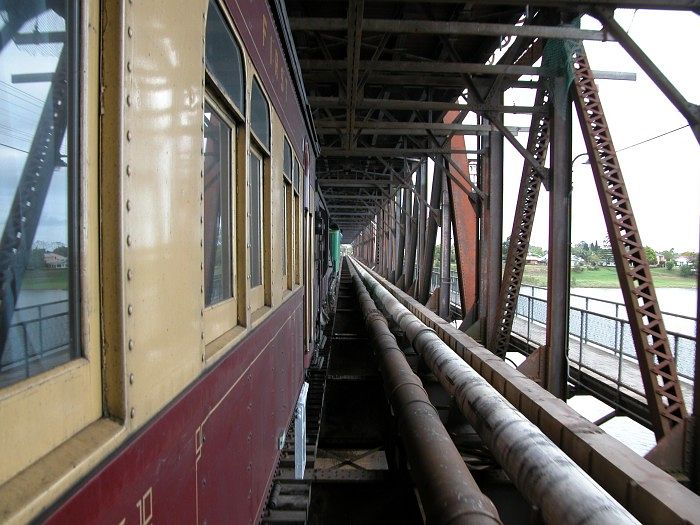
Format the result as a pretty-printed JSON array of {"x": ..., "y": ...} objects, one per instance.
[
  {"x": 38, "y": 180},
  {"x": 223, "y": 56},
  {"x": 287, "y": 160},
  {"x": 260, "y": 115},
  {"x": 297, "y": 169},
  {"x": 217, "y": 233},
  {"x": 284, "y": 232},
  {"x": 255, "y": 220}
]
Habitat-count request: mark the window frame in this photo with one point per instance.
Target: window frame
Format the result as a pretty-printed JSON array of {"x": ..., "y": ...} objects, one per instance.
[
  {"x": 222, "y": 317},
  {"x": 288, "y": 215},
  {"x": 218, "y": 317},
  {"x": 77, "y": 382},
  {"x": 257, "y": 292},
  {"x": 298, "y": 255}
]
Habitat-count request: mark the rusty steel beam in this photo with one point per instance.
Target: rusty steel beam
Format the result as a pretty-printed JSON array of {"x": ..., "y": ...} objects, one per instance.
[
  {"x": 409, "y": 261},
  {"x": 445, "y": 252},
  {"x": 354, "y": 30},
  {"x": 654, "y": 353},
  {"x": 423, "y": 284},
  {"x": 464, "y": 224},
  {"x": 526, "y": 205},
  {"x": 559, "y": 252},
  {"x": 493, "y": 218},
  {"x": 423, "y": 207},
  {"x": 453, "y": 28}
]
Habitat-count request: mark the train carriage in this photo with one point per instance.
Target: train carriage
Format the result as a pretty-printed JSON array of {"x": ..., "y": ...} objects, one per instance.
[{"x": 170, "y": 172}]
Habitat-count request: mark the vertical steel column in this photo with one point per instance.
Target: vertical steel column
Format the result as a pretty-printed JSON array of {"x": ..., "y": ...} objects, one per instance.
[
  {"x": 409, "y": 262},
  {"x": 445, "y": 252},
  {"x": 398, "y": 224},
  {"x": 465, "y": 225},
  {"x": 421, "y": 199},
  {"x": 695, "y": 431},
  {"x": 495, "y": 224},
  {"x": 654, "y": 353},
  {"x": 559, "y": 254},
  {"x": 423, "y": 285},
  {"x": 530, "y": 182},
  {"x": 483, "y": 182},
  {"x": 391, "y": 239}
]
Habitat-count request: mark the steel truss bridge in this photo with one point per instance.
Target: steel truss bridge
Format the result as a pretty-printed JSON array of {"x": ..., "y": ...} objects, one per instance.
[{"x": 390, "y": 85}]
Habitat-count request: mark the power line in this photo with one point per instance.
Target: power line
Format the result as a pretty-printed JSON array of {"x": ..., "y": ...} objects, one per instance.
[
  {"x": 12, "y": 147},
  {"x": 652, "y": 138}
]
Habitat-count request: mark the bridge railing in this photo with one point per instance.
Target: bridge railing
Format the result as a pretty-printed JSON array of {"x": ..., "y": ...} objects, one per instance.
[
  {"x": 589, "y": 326},
  {"x": 38, "y": 332},
  {"x": 595, "y": 325}
]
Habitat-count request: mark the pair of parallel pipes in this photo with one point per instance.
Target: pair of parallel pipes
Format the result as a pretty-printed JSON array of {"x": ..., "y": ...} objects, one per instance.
[
  {"x": 541, "y": 471},
  {"x": 447, "y": 489}
]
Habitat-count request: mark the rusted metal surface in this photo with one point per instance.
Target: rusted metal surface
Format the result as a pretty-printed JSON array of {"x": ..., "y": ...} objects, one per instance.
[
  {"x": 652, "y": 495},
  {"x": 423, "y": 288},
  {"x": 537, "y": 145},
  {"x": 656, "y": 362},
  {"x": 493, "y": 220},
  {"x": 547, "y": 478},
  {"x": 447, "y": 489},
  {"x": 559, "y": 252},
  {"x": 445, "y": 243},
  {"x": 464, "y": 226}
]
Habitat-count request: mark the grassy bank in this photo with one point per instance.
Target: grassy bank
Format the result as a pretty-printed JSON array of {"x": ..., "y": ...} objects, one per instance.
[
  {"x": 536, "y": 275},
  {"x": 46, "y": 279}
]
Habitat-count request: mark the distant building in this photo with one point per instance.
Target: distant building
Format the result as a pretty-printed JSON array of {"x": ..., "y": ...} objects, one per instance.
[
  {"x": 683, "y": 260},
  {"x": 534, "y": 259},
  {"x": 54, "y": 260}
]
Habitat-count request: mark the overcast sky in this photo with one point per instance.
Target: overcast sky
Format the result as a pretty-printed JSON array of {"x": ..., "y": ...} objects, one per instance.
[{"x": 662, "y": 176}]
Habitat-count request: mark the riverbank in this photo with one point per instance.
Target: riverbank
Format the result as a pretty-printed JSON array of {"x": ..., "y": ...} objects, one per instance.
[{"x": 536, "y": 275}]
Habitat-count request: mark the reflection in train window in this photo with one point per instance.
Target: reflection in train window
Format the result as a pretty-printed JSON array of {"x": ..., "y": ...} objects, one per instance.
[
  {"x": 297, "y": 221},
  {"x": 223, "y": 58},
  {"x": 217, "y": 207},
  {"x": 38, "y": 185},
  {"x": 256, "y": 219},
  {"x": 260, "y": 115},
  {"x": 286, "y": 212}
]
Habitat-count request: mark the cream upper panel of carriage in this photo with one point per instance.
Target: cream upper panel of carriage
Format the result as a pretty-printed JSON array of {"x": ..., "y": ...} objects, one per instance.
[{"x": 164, "y": 302}]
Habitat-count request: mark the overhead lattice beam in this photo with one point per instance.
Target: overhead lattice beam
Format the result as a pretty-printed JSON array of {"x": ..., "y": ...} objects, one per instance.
[{"x": 442, "y": 27}]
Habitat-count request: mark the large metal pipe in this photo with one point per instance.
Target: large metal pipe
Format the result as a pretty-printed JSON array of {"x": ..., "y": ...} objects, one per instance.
[
  {"x": 447, "y": 489},
  {"x": 546, "y": 476}
]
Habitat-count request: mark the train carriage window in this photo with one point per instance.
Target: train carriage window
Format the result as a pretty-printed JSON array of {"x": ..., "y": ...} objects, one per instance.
[
  {"x": 224, "y": 60},
  {"x": 260, "y": 115},
  {"x": 256, "y": 219},
  {"x": 297, "y": 171},
  {"x": 297, "y": 221},
  {"x": 224, "y": 111},
  {"x": 39, "y": 256},
  {"x": 217, "y": 207},
  {"x": 287, "y": 205}
]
